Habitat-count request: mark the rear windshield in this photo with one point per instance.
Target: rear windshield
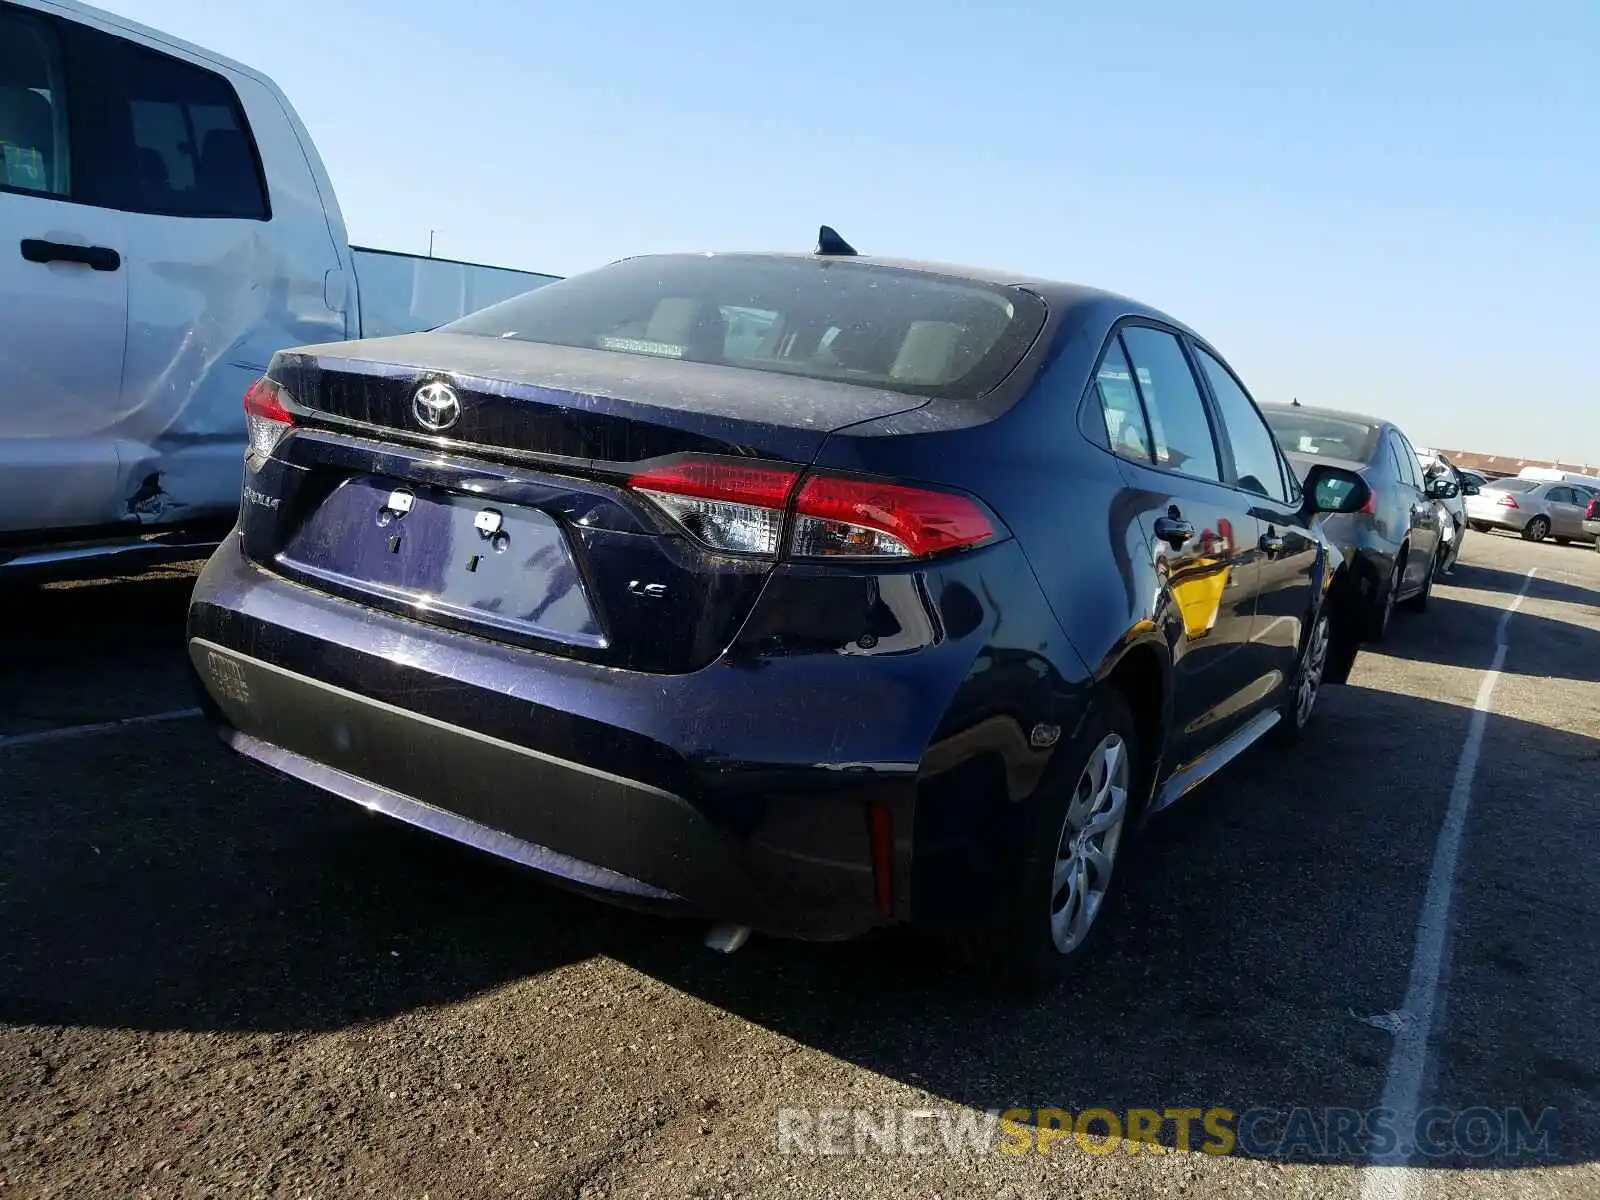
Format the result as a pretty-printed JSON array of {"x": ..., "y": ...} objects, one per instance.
[
  {"x": 1332, "y": 437},
  {"x": 885, "y": 327},
  {"x": 1516, "y": 485}
]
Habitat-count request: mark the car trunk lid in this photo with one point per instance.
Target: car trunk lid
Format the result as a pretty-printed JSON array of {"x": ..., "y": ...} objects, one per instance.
[
  {"x": 514, "y": 519},
  {"x": 591, "y": 408}
]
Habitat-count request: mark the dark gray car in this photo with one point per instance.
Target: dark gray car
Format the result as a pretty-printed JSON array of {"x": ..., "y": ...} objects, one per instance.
[{"x": 1393, "y": 544}]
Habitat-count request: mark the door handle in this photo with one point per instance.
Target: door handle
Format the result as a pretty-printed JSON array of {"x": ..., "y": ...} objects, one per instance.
[
  {"x": 1271, "y": 543},
  {"x": 96, "y": 258},
  {"x": 1174, "y": 531}
]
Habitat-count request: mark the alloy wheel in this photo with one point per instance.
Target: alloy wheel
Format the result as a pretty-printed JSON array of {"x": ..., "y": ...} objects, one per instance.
[
  {"x": 1087, "y": 849},
  {"x": 1312, "y": 666},
  {"x": 1537, "y": 530},
  {"x": 1392, "y": 596}
]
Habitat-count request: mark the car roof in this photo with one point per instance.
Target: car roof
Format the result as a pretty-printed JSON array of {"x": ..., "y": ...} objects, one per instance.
[{"x": 1337, "y": 413}]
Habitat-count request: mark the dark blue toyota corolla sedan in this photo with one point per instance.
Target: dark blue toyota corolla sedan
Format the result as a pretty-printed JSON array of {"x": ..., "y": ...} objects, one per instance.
[{"x": 808, "y": 593}]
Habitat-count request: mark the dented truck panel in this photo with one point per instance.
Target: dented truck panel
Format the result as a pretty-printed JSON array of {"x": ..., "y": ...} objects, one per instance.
[
  {"x": 122, "y": 385},
  {"x": 209, "y": 301},
  {"x": 121, "y": 378}
]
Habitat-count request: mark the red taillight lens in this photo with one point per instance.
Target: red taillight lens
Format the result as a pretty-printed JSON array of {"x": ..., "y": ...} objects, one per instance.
[
  {"x": 1592, "y": 513},
  {"x": 266, "y": 419},
  {"x": 1507, "y": 500},
  {"x": 1370, "y": 504},
  {"x": 837, "y": 517},
  {"x": 742, "y": 506},
  {"x": 727, "y": 505}
]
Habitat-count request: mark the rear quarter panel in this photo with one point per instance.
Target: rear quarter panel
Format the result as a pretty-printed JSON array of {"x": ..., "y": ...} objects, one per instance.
[{"x": 1064, "y": 499}]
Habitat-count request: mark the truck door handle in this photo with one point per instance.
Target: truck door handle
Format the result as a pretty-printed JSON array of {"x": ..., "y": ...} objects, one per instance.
[
  {"x": 1174, "y": 531},
  {"x": 96, "y": 258}
]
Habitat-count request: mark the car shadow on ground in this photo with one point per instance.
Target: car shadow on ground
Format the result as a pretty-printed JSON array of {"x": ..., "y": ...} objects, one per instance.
[
  {"x": 155, "y": 882},
  {"x": 167, "y": 886},
  {"x": 1267, "y": 918},
  {"x": 80, "y": 653},
  {"x": 1470, "y": 574},
  {"x": 1462, "y": 620}
]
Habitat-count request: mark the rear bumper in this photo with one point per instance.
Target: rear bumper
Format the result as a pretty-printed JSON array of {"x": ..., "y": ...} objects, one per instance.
[
  {"x": 1497, "y": 516},
  {"x": 741, "y": 792}
]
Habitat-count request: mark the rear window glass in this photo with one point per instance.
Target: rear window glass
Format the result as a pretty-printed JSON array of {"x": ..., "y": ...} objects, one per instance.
[
  {"x": 1515, "y": 485},
  {"x": 887, "y": 327},
  {"x": 1312, "y": 433}
]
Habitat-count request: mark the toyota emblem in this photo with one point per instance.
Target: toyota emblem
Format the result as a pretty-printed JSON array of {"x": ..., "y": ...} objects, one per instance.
[{"x": 436, "y": 406}]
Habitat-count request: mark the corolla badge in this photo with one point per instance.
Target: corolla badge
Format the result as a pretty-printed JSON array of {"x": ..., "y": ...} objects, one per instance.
[{"x": 436, "y": 406}]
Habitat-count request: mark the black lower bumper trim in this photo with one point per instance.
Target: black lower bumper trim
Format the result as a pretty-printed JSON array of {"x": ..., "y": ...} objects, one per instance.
[{"x": 616, "y": 837}]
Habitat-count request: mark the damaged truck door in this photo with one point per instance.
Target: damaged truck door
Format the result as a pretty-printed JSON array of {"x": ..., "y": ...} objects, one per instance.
[
  {"x": 164, "y": 218},
  {"x": 166, "y": 225}
]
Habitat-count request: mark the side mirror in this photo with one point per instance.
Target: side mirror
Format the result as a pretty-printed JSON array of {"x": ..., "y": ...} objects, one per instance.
[
  {"x": 1335, "y": 490},
  {"x": 1443, "y": 489}
]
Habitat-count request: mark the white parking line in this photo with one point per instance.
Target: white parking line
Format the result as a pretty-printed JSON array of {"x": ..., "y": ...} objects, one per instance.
[
  {"x": 68, "y": 732},
  {"x": 1387, "y": 1177}
]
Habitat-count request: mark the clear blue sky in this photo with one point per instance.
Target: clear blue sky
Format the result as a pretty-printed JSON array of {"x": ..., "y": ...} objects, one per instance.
[{"x": 1394, "y": 211}]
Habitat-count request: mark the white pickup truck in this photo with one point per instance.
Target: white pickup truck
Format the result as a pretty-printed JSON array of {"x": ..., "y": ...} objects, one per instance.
[{"x": 166, "y": 224}]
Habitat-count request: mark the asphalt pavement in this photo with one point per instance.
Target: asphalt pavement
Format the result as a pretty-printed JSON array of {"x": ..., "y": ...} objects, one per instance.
[{"x": 218, "y": 982}]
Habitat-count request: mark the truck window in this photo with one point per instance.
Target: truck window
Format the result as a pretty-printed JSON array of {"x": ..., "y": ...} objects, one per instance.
[
  {"x": 177, "y": 142},
  {"x": 34, "y": 153}
]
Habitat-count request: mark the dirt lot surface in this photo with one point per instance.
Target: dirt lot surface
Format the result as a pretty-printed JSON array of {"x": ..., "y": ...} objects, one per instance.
[{"x": 217, "y": 982}]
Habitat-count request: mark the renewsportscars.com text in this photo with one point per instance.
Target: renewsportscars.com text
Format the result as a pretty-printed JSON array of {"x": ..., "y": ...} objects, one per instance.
[{"x": 1336, "y": 1134}]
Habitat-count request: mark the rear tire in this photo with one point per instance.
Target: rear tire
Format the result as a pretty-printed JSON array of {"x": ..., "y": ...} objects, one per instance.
[
  {"x": 1537, "y": 529},
  {"x": 1419, "y": 602},
  {"x": 1300, "y": 699},
  {"x": 1381, "y": 615},
  {"x": 1069, "y": 879}
]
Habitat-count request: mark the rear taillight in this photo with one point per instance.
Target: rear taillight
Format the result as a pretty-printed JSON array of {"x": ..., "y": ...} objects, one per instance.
[
  {"x": 839, "y": 517},
  {"x": 743, "y": 507},
  {"x": 1592, "y": 513},
  {"x": 1370, "y": 504},
  {"x": 266, "y": 419},
  {"x": 728, "y": 506},
  {"x": 1507, "y": 500}
]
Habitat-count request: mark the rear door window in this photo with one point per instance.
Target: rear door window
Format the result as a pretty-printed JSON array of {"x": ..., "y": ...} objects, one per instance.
[
  {"x": 1559, "y": 495},
  {"x": 1179, "y": 424},
  {"x": 1410, "y": 468},
  {"x": 1402, "y": 462},
  {"x": 1118, "y": 402},
  {"x": 35, "y": 151},
  {"x": 1255, "y": 451},
  {"x": 174, "y": 141}
]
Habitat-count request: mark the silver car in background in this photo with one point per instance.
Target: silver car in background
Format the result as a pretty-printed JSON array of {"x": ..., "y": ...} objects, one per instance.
[
  {"x": 1535, "y": 508},
  {"x": 1453, "y": 528}
]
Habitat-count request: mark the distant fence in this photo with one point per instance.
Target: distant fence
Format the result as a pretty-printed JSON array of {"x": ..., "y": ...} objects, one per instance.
[{"x": 407, "y": 293}]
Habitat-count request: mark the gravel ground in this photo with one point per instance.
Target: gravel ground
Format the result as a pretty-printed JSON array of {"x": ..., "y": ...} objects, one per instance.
[{"x": 217, "y": 982}]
